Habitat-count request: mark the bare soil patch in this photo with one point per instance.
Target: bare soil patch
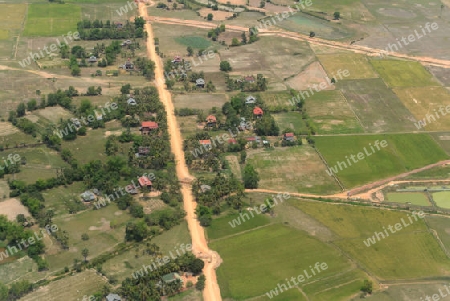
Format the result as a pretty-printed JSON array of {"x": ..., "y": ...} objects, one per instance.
[
  {"x": 11, "y": 208},
  {"x": 233, "y": 2},
  {"x": 7, "y": 129},
  {"x": 314, "y": 74},
  {"x": 217, "y": 14}
]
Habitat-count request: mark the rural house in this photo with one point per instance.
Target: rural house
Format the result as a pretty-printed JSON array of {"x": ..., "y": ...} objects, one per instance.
[
  {"x": 258, "y": 112},
  {"x": 211, "y": 120},
  {"x": 250, "y": 100},
  {"x": 113, "y": 297},
  {"x": 87, "y": 196},
  {"x": 92, "y": 59},
  {"x": 143, "y": 151},
  {"x": 131, "y": 101},
  {"x": 205, "y": 143},
  {"x": 148, "y": 126},
  {"x": 288, "y": 136},
  {"x": 249, "y": 79},
  {"x": 169, "y": 278},
  {"x": 177, "y": 59},
  {"x": 145, "y": 182},
  {"x": 200, "y": 83},
  {"x": 119, "y": 25}
]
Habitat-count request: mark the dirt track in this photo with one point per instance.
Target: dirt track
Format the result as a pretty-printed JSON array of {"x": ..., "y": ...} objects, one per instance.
[
  {"x": 200, "y": 246},
  {"x": 297, "y": 36}
]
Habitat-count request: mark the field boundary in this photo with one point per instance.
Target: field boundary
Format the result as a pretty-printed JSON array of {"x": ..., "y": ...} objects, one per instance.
[{"x": 326, "y": 165}]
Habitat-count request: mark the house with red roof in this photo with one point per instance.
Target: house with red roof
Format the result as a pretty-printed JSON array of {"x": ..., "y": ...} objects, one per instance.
[
  {"x": 205, "y": 142},
  {"x": 211, "y": 120},
  {"x": 258, "y": 112},
  {"x": 288, "y": 136},
  {"x": 145, "y": 182},
  {"x": 148, "y": 126}
]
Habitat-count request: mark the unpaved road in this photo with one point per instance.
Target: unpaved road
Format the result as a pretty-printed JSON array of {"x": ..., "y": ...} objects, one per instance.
[
  {"x": 300, "y": 37},
  {"x": 199, "y": 245}
]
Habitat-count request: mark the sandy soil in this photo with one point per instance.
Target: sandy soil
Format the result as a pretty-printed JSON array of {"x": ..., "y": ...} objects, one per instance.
[
  {"x": 233, "y": 2},
  {"x": 218, "y": 15},
  {"x": 12, "y": 207},
  {"x": 200, "y": 247},
  {"x": 313, "y": 74}
]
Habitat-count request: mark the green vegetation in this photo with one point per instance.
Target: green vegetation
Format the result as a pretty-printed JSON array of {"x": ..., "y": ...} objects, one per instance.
[
  {"x": 50, "y": 20},
  {"x": 196, "y": 42},
  {"x": 415, "y": 198},
  {"x": 220, "y": 227},
  {"x": 442, "y": 199},
  {"x": 403, "y": 152},
  {"x": 403, "y": 73}
]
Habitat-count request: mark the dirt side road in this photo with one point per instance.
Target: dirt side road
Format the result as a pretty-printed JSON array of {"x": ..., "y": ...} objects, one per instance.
[{"x": 200, "y": 247}]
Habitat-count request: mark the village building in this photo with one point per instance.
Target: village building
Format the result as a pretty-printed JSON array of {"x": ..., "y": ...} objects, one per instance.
[
  {"x": 131, "y": 101},
  {"x": 200, "y": 83},
  {"x": 288, "y": 136},
  {"x": 211, "y": 120},
  {"x": 258, "y": 112},
  {"x": 147, "y": 127},
  {"x": 92, "y": 59},
  {"x": 87, "y": 196},
  {"x": 250, "y": 100},
  {"x": 113, "y": 297},
  {"x": 145, "y": 182}
]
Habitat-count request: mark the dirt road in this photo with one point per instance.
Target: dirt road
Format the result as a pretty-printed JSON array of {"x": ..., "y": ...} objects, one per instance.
[
  {"x": 300, "y": 37},
  {"x": 199, "y": 245}
]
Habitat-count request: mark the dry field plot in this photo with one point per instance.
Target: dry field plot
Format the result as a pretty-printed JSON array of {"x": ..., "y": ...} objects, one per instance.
[
  {"x": 11, "y": 208},
  {"x": 314, "y": 74},
  {"x": 425, "y": 100},
  {"x": 233, "y": 2},
  {"x": 203, "y": 101},
  {"x": 7, "y": 128},
  {"x": 294, "y": 169},
  {"x": 217, "y": 14},
  {"x": 357, "y": 65},
  {"x": 12, "y": 16},
  {"x": 69, "y": 288},
  {"x": 54, "y": 114}
]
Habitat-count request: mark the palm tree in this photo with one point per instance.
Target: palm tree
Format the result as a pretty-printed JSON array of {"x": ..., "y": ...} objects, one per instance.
[{"x": 85, "y": 253}]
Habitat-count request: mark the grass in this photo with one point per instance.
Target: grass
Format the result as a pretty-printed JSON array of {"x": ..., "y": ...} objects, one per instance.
[
  {"x": 69, "y": 288},
  {"x": 423, "y": 101},
  {"x": 377, "y": 107},
  {"x": 441, "y": 225},
  {"x": 51, "y": 20},
  {"x": 220, "y": 227},
  {"x": 54, "y": 197},
  {"x": 403, "y": 73},
  {"x": 200, "y": 101},
  {"x": 415, "y": 198},
  {"x": 442, "y": 199},
  {"x": 96, "y": 224},
  {"x": 88, "y": 148},
  {"x": 292, "y": 120},
  {"x": 292, "y": 169},
  {"x": 357, "y": 65},
  {"x": 170, "y": 240},
  {"x": 331, "y": 113},
  {"x": 236, "y": 275},
  {"x": 412, "y": 253},
  {"x": 13, "y": 16},
  {"x": 196, "y": 42},
  {"x": 403, "y": 153}
]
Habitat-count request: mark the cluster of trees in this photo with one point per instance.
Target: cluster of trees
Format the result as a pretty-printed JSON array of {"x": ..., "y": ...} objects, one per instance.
[
  {"x": 150, "y": 286},
  {"x": 259, "y": 85},
  {"x": 213, "y": 34},
  {"x": 97, "y": 30},
  {"x": 12, "y": 234},
  {"x": 17, "y": 290}
]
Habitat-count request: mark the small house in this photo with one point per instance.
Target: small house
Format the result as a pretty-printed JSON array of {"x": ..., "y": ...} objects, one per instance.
[
  {"x": 211, "y": 120},
  {"x": 200, "y": 83},
  {"x": 250, "y": 100},
  {"x": 232, "y": 141},
  {"x": 113, "y": 297},
  {"x": 258, "y": 112},
  {"x": 148, "y": 126},
  {"x": 119, "y": 25},
  {"x": 288, "y": 136},
  {"x": 177, "y": 59},
  {"x": 92, "y": 59},
  {"x": 205, "y": 188},
  {"x": 128, "y": 65},
  {"x": 254, "y": 139},
  {"x": 169, "y": 278},
  {"x": 143, "y": 150},
  {"x": 145, "y": 182},
  {"x": 249, "y": 79},
  {"x": 131, "y": 101},
  {"x": 205, "y": 143},
  {"x": 131, "y": 189},
  {"x": 87, "y": 196}
]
